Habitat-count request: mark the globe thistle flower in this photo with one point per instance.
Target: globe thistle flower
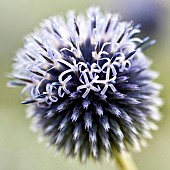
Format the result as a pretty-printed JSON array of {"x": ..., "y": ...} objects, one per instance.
[{"x": 88, "y": 84}]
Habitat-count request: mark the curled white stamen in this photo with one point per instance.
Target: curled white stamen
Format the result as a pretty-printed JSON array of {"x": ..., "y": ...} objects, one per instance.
[
  {"x": 109, "y": 65},
  {"x": 63, "y": 86},
  {"x": 88, "y": 85},
  {"x": 96, "y": 55}
]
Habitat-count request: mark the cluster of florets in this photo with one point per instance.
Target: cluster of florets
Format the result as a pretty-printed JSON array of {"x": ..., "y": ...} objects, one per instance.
[{"x": 88, "y": 84}]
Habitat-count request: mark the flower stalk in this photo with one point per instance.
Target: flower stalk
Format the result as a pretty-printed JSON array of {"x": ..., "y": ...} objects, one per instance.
[{"x": 125, "y": 161}]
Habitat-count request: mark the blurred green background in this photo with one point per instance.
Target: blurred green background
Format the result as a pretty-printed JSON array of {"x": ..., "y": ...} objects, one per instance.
[{"x": 18, "y": 147}]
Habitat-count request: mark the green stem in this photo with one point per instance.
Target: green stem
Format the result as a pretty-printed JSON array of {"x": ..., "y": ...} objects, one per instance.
[{"x": 125, "y": 162}]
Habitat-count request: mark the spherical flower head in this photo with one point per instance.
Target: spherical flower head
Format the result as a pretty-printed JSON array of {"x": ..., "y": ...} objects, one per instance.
[{"x": 88, "y": 84}]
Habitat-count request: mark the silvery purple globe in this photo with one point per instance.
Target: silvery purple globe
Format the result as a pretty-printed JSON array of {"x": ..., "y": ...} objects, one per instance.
[{"x": 89, "y": 87}]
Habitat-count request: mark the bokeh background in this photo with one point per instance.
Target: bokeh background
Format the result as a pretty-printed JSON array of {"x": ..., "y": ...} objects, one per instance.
[{"x": 19, "y": 149}]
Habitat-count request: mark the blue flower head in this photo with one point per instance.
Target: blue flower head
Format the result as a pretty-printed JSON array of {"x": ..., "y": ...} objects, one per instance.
[{"x": 88, "y": 84}]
